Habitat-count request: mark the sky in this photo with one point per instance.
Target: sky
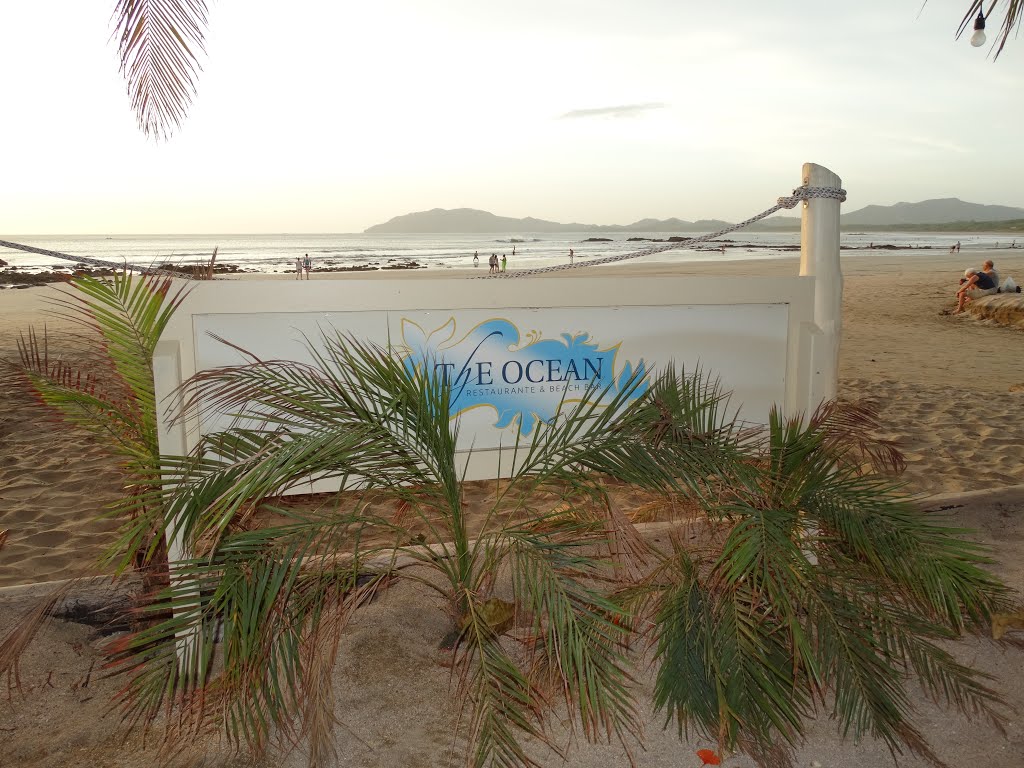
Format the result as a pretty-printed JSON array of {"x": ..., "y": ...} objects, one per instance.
[{"x": 327, "y": 116}]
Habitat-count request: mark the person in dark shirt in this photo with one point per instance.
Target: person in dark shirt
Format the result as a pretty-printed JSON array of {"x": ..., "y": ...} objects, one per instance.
[
  {"x": 989, "y": 268},
  {"x": 974, "y": 285}
]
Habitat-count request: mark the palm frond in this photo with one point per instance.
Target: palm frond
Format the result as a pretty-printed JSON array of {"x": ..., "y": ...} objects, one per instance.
[
  {"x": 850, "y": 431},
  {"x": 159, "y": 42},
  {"x": 267, "y": 607},
  {"x": 114, "y": 420},
  {"x": 827, "y": 582},
  {"x": 737, "y": 622},
  {"x": 934, "y": 566},
  {"x": 124, "y": 318},
  {"x": 23, "y": 631},
  {"x": 129, "y": 313},
  {"x": 581, "y": 635},
  {"x": 694, "y": 432},
  {"x": 113, "y": 397},
  {"x": 505, "y": 703}
]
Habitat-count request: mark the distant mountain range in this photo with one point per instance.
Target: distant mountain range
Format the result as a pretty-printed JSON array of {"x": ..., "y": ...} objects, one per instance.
[
  {"x": 472, "y": 221},
  {"x": 945, "y": 212}
]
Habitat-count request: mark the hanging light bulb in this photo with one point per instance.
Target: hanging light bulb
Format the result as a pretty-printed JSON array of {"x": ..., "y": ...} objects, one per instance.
[{"x": 978, "y": 38}]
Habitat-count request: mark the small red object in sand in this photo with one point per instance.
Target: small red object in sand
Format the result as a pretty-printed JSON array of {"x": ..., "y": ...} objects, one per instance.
[{"x": 707, "y": 757}]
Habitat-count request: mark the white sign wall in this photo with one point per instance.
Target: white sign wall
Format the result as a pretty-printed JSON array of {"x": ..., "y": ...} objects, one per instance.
[{"x": 512, "y": 349}]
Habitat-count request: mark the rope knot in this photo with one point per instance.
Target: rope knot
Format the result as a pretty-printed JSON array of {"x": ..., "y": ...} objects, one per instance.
[{"x": 806, "y": 193}]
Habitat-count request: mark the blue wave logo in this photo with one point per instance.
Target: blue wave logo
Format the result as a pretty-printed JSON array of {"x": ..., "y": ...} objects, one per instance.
[{"x": 523, "y": 380}]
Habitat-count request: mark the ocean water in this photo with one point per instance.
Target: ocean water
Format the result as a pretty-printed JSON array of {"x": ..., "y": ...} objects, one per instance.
[{"x": 277, "y": 253}]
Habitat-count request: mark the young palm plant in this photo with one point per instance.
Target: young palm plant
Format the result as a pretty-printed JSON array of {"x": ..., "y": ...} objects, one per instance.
[
  {"x": 824, "y": 590},
  {"x": 279, "y": 595},
  {"x": 111, "y": 393},
  {"x": 827, "y": 591}
]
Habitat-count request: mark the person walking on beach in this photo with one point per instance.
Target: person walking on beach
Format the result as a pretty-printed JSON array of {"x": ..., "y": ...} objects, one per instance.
[
  {"x": 307, "y": 265},
  {"x": 504, "y": 262},
  {"x": 476, "y": 258},
  {"x": 958, "y": 246}
]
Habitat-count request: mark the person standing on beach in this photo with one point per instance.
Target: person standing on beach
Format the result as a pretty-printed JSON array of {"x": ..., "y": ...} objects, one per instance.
[
  {"x": 307, "y": 265},
  {"x": 504, "y": 262},
  {"x": 571, "y": 254},
  {"x": 298, "y": 267},
  {"x": 513, "y": 250},
  {"x": 476, "y": 258}
]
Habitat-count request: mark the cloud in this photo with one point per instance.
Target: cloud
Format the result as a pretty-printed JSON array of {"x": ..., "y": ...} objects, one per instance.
[
  {"x": 921, "y": 142},
  {"x": 625, "y": 110}
]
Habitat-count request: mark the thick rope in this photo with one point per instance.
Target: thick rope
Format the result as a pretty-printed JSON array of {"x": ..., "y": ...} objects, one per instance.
[
  {"x": 94, "y": 262},
  {"x": 800, "y": 193}
]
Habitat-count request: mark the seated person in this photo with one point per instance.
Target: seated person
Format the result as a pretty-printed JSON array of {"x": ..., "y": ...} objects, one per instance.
[
  {"x": 989, "y": 269},
  {"x": 975, "y": 284}
]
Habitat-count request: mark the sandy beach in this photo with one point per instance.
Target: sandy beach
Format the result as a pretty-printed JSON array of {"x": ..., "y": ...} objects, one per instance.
[{"x": 950, "y": 390}]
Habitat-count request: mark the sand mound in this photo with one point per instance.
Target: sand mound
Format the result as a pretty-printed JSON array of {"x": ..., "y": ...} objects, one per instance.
[{"x": 1001, "y": 308}]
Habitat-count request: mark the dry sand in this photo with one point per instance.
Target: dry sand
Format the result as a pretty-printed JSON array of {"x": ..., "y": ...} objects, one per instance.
[{"x": 950, "y": 389}]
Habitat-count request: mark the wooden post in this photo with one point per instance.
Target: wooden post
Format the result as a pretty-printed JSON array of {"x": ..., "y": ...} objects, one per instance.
[{"x": 819, "y": 258}]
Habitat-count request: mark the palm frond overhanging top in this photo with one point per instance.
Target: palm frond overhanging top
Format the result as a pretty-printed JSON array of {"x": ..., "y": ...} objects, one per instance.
[{"x": 158, "y": 43}]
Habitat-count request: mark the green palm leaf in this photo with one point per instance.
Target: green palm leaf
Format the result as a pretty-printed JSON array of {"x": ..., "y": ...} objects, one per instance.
[
  {"x": 581, "y": 635},
  {"x": 113, "y": 397},
  {"x": 129, "y": 313},
  {"x": 256, "y": 618},
  {"x": 826, "y": 583}
]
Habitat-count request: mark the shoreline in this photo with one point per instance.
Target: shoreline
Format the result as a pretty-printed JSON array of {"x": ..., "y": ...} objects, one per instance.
[{"x": 452, "y": 253}]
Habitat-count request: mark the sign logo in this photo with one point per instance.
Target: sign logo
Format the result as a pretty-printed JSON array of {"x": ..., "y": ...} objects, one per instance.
[{"x": 524, "y": 378}]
